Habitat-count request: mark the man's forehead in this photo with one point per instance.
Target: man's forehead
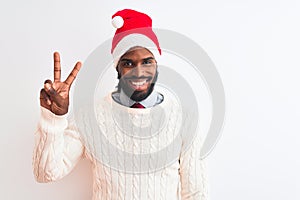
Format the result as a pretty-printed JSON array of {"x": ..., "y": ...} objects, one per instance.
[{"x": 138, "y": 52}]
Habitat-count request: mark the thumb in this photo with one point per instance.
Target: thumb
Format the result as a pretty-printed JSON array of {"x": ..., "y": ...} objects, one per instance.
[{"x": 54, "y": 96}]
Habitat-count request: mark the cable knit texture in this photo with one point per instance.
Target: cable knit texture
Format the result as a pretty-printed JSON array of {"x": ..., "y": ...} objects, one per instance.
[{"x": 59, "y": 146}]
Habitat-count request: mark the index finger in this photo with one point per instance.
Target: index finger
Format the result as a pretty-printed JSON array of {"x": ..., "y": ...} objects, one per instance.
[
  {"x": 73, "y": 74},
  {"x": 57, "y": 67}
]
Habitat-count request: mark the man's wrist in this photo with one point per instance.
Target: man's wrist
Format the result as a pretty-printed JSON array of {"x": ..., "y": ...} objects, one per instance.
[{"x": 50, "y": 119}]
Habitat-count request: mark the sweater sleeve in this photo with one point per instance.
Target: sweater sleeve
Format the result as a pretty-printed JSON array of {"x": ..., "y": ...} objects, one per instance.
[
  {"x": 193, "y": 173},
  {"x": 57, "y": 148}
]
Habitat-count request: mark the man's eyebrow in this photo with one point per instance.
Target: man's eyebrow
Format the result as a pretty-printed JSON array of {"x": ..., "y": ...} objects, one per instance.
[
  {"x": 125, "y": 59},
  {"x": 149, "y": 58},
  {"x": 144, "y": 59}
]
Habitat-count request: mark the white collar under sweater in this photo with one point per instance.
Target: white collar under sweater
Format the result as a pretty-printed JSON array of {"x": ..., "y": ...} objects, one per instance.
[{"x": 153, "y": 99}]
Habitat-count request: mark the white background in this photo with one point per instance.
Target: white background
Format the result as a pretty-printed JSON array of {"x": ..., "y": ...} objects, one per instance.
[{"x": 255, "y": 46}]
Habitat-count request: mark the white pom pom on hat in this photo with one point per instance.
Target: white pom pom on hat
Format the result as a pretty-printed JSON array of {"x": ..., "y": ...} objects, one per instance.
[{"x": 117, "y": 21}]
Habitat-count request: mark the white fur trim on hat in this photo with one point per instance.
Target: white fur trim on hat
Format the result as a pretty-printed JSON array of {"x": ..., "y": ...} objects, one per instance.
[{"x": 133, "y": 40}]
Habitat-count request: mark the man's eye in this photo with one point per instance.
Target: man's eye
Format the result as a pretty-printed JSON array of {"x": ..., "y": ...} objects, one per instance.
[
  {"x": 127, "y": 64},
  {"x": 147, "y": 62}
]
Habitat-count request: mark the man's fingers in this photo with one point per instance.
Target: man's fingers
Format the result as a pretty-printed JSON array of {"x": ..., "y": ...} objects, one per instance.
[
  {"x": 45, "y": 96},
  {"x": 73, "y": 73},
  {"x": 52, "y": 93},
  {"x": 48, "y": 81},
  {"x": 57, "y": 67},
  {"x": 49, "y": 89}
]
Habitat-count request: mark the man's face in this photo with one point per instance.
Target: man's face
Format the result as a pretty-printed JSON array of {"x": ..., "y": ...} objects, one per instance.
[{"x": 137, "y": 70}]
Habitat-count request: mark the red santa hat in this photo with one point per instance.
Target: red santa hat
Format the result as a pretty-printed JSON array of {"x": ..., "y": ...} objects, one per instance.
[{"x": 133, "y": 29}]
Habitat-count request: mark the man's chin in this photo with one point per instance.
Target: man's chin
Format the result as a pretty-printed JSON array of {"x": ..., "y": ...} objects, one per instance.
[{"x": 138, "y": 95}]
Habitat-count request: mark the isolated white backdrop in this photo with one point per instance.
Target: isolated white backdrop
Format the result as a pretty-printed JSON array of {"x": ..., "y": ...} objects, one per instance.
[{"x": 254, "y": 45}]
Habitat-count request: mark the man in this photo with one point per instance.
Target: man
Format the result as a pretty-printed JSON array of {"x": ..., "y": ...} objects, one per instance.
[{"x": 59, "y": 146}]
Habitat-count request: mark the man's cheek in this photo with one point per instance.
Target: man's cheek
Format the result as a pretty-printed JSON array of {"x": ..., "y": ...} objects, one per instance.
[{"x": 127, "y": 74}]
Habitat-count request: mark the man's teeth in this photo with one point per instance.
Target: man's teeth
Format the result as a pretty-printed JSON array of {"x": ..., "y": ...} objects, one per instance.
[{"x": 138, "y": 83}]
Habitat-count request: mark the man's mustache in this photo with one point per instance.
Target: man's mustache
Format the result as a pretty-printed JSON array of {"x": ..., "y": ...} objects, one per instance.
[{"x": 138, "y": 77}]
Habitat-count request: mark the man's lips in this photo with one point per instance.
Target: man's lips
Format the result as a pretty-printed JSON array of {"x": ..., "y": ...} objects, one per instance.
[
  {"x": 138, "y": 84},
  {"x": 138, "y": 78}
]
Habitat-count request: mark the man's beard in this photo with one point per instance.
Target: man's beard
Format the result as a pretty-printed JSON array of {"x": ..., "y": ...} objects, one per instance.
[{"x": 134, "y": 94}]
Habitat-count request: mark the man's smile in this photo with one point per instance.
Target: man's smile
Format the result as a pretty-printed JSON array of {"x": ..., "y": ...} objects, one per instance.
[{"x": 139, "y": 84}]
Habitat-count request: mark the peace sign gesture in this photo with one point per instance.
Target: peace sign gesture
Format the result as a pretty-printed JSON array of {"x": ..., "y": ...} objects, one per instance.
[{"x": 55, "y": 95}]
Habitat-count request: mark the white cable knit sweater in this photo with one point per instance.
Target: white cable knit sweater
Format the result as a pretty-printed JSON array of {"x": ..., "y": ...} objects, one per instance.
[{"x": 59, "y": 146}]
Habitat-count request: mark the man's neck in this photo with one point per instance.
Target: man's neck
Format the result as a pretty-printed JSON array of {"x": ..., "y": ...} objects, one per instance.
[{"x": 153, "y": 99}]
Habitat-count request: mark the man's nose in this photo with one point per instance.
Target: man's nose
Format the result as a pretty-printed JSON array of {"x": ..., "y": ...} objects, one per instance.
[{"x": 139, "y": 70}]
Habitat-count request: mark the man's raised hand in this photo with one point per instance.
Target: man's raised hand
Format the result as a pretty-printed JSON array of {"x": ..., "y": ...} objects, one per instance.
[{"x": 55, "y": 95}]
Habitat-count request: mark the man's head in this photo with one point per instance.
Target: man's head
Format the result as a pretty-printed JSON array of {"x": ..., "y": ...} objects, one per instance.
[
  {"x": 135, "y": 63},
  {"x": 137, "y": 73}
]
